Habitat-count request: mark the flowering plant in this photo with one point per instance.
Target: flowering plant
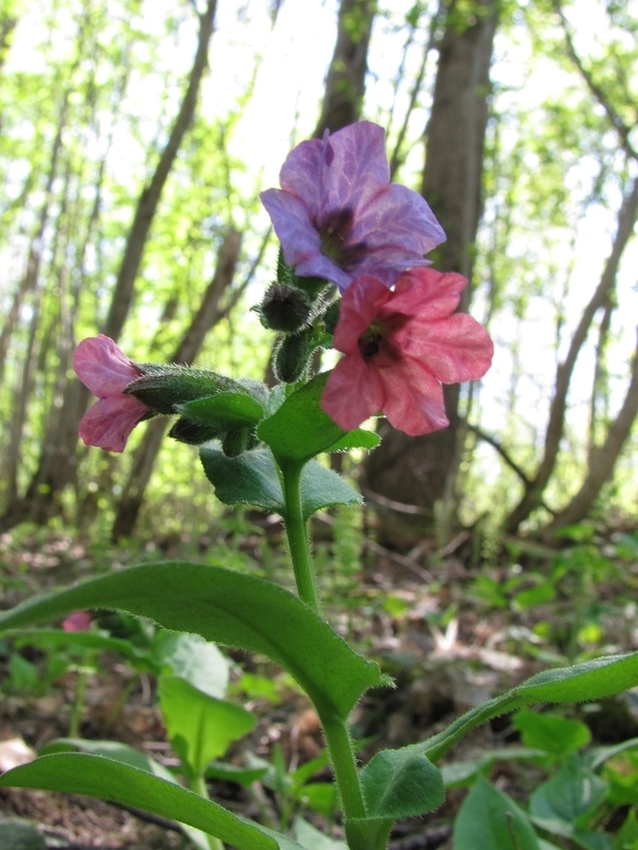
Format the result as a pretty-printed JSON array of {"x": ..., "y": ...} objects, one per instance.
[{"x": 393, "y": 319}]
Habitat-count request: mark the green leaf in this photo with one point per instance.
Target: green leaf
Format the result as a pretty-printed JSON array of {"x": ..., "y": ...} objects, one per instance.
[
  {"x": 401, "y": 784},
  {"x": 113, "y": 750},
  {"x": 571, "y": 795},
  {"x": 229, "y": 608},
  {"x": 244, "y": 776},
  {"x": 226, "y": 410},
  {"x": 80, "y": 773},
  {"x": 590, "y": 680},
  {"x": 200, "y": 727},
  {"x": 357, "y": 439},
  {"x": 300, "y": 429},
  {"x": 192, "y": 658},
  {"x": 558, "y": 736},
  {"x": 490, "y": 820},
  {"x": 322, "y": 488},
  {"x": 252, "y": 478},
  {"x": 55, "y": 638},
  {"x": 312, "y": 839}
]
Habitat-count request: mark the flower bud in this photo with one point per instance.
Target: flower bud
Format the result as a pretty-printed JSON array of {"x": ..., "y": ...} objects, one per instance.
[
  {"x": 293, "y": 355},
  {"x": 284, "y": 308}
]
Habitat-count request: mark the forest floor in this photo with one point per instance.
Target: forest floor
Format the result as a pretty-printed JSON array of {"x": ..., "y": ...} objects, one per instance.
[{"x": 452, "y": 629}]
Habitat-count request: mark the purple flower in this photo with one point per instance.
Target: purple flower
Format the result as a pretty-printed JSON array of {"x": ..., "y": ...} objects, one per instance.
[{"x": 338, "y": 217}]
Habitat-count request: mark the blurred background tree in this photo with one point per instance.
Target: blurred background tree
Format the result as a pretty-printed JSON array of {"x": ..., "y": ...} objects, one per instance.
[{"x": 135, "y": 138}]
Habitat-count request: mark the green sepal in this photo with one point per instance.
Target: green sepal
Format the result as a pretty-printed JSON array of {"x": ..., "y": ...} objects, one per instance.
[
  {"x": 81, "y": 773},
  {"x": 226, "y": 410},
  {"x": 253, "y": 478},
  {"x": 192, "y": 433},
  {"x": 229, "y": 608}
]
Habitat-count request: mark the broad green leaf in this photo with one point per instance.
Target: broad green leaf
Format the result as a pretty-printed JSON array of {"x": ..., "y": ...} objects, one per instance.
[
  {"x": 558, "y": 736},
  {"x": 571, "y": 795},
  {"x": 192, "y": 658},
  {"x": 229, "y": 608},
  {"x": 226, "y": 410},
  {"x": 597, "y": 756},
  {"x": 401, "y": 784},
  {"x": 112, "y": 750},
  {"x": 320, "y": 797},
  {"x": 460, "y": 773},
  {"x": 300, "y": 429},
  {"x": 490, "y": 820},
  {"x": 590, "y": 680},
  {"x": 252, "y": 478},
  {"x": 96, "y": 776},
  {"x": 200, "y": 727}
]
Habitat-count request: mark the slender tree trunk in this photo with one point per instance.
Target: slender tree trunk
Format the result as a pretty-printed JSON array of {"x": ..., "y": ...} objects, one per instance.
[
  {"x": 345, "y": 83},
  {"x": 556, "y": 425},
  {"x": 149, "y": 199},
  {"x": 421, "y": 471},
  {"x": 602, "y": 462},
  {"x": 146, "y": 452}
]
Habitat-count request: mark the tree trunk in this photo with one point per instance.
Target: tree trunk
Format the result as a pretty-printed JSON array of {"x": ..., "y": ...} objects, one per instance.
[
  {"x": 421, "y": 471},
  {"x": 144, "y": 457},
  {"x": 345, "y": 83},
  {"x": 556, "y": 424},
  {"x": 151, "y": 194},
  {"x": 603, "y": 461}
]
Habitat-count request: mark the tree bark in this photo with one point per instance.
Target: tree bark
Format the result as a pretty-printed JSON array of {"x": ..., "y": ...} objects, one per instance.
[
  {"x": 345, "y": 83},
  {"x": 420, "y": 471},
  {"x": 206, "y": 317},
  {"x": 602, "y": 463}
]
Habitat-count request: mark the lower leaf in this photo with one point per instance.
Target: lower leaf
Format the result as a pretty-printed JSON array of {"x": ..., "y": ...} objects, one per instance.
[{"x": 80, "y": 773}]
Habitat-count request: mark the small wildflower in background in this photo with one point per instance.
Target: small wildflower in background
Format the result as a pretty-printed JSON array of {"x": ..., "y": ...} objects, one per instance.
[{"x": 105, "y": 370}]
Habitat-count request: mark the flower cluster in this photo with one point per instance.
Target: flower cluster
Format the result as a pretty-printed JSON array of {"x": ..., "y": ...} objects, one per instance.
[
  {"x": 338, "y": 218},
  {"x": 340, "y": 221}
]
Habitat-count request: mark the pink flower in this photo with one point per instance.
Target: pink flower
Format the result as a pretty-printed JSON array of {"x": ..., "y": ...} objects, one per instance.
[
  {"x": 107, "y": 372},
  {"x": 400, "y": 346},
  {"x": 80, "y": 621},
  {"x": 337, "y": 216}
]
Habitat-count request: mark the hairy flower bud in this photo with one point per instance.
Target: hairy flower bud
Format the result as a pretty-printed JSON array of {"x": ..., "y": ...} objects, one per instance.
[
  {"x": 293, "y": 355},
  {"x": 284, "y": 308}
]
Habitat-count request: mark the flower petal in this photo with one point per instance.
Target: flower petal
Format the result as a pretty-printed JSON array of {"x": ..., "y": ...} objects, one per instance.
[
  {"x": 360, "y": 305},
  {"x": 109, "y": 422},
  {"x": 356, "y": 168},
  {"x": 354, "y": 392},
  {"x": 454, "y": 350},
  {"x": 414, "y": 400},
  {"x": 428, "y": 294},
  {"x": 103, "y": 367}
]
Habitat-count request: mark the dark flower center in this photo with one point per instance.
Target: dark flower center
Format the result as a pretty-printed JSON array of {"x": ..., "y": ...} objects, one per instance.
[
  {"x": 377, "y": 341},
  {"x": 335, "y": 230}
]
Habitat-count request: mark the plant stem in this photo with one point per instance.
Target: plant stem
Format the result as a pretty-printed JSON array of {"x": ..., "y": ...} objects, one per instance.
[
  {"x": 198, "y": 785},
  {"x": 345, "y": 768},
  {"x": 335, "y": 728},
  {"x": 297, "y": 531}
]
